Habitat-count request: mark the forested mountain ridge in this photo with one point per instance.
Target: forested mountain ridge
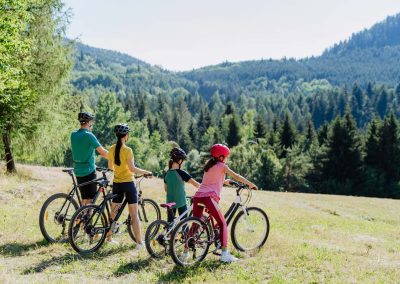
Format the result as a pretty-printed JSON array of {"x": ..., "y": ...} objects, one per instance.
[{"x": 371, "y": 55}]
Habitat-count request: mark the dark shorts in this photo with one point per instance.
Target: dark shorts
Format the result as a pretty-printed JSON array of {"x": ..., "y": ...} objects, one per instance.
[
  {"x": 127, "y": 190},
  {"x": 87, "y": 191}
]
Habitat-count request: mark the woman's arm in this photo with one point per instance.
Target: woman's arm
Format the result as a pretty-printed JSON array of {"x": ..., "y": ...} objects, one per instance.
[
  {"x": 165, "y": 187},
  {"x": 240, "y": 178},
  {"x": 110, "y": 164},
  {"x": 135, "y": 169},
  {"x": 193, "y": 182}
]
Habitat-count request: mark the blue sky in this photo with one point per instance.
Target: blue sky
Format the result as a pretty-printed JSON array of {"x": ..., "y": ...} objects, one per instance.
[{"x": 185, "y": 34}]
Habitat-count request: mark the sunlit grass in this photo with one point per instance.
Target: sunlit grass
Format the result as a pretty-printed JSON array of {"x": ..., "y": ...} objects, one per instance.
[{"x": 313, "y": 239}]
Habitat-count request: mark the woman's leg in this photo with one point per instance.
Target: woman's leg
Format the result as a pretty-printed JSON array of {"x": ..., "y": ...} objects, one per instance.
[{"x": 135, "y": 222}]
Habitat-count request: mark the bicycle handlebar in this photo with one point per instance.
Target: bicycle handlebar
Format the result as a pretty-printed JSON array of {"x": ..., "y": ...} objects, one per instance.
[{"x": 101, "y": 169}]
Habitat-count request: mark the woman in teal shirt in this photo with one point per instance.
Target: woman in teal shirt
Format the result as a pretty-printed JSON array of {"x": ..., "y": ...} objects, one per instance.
[{"x": 174, "y": 183}]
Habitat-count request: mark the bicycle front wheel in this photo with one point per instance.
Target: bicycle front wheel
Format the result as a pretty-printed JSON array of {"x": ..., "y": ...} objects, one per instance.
[
  {"x": 189, "y": 242},
  {"x": 148, "y": 213},
  {"x": 87, "y": 229},
  {"x": 250, "y": 229},
  {"x": 55, "y": 216}
]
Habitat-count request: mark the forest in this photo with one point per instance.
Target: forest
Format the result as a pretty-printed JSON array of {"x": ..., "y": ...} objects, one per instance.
[{"x": 326, "y": 124}]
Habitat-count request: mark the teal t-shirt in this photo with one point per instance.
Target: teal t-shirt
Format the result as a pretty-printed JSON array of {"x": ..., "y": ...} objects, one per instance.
[
  {"x": 83, "y": 145},
  {"x": 175, "y": 181}
]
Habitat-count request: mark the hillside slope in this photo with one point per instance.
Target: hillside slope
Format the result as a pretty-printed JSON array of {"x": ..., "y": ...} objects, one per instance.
[{"x": 313, "y": 238}]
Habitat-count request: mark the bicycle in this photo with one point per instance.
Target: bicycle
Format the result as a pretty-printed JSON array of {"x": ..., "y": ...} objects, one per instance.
[
  {"x": 57, "y": 210},
  {"x": 91, "y": 223},
  {"x": 158, "y": 233},
  {"x": 249, "y": 231}
]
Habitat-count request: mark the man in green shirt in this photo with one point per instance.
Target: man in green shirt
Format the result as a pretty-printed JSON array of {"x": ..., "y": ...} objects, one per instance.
[{"x": 83, "y": 146}]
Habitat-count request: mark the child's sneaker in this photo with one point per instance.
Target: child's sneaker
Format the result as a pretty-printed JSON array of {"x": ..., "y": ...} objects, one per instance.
[
  {"x": 112, "y": 242},
  {"x": 227, "y": 257}
]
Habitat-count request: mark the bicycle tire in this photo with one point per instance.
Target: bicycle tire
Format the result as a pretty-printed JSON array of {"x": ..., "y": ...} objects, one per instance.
[
  {"x": 72, "y": 234},
  {"x": 147, "y": 203},
  {"x": 174, "y": 239},
  {"x": 62, "y": 221},
  {"x": 155, "y": 235},
  {"x": 234, "y": 235}
]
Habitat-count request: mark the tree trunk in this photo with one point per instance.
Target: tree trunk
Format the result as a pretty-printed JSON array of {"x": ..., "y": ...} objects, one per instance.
[{"x": 7, "y": 148}]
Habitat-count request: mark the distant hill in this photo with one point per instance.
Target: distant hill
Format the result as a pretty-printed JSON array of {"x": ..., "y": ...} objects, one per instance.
[
  {"x": 372, "y": 55},
  {"x": 317, "y": 87}
]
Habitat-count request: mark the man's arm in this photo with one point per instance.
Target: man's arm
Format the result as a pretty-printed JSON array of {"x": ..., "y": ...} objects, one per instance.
[{"x": 103, "y": 152}]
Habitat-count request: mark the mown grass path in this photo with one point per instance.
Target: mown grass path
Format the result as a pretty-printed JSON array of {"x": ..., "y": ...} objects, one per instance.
[{"x": 313, "y": 239}]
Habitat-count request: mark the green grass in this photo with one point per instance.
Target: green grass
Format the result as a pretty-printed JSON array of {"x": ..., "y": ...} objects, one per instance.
[{"x": 313, "y": 239}]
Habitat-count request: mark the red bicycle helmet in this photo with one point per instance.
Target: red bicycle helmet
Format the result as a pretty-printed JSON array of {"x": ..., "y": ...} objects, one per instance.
[{"x": 219, "y": 150}]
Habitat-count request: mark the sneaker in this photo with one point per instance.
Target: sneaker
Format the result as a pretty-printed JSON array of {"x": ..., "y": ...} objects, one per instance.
[
  {"x": 112, "y": 242},
  {"x": 140, "y": 246},
  {"x": 227, "y": 257},
  {"x": 184, "y": 256}
]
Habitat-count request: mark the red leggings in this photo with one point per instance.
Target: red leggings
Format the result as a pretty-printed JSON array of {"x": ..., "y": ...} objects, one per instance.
[{"x": 215, "y": 212}]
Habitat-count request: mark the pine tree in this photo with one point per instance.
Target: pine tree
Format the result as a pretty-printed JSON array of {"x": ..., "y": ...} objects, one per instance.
[
  {"x": 233, "y": 137},
  {"x": 260, "y": 130},
  {"x": 323, "y": 134},
  {"x": 390, "y": 149},
  {"x": 382, "y": 104},
  {"x": 372, "y": 146},
  {"x": 287, "y": 134},
  {"x": 343, "y": 164},
  {"x": 108, "y": 113}
]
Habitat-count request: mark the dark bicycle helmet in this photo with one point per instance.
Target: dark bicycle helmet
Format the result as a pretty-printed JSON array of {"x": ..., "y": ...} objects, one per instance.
[
  {"x": 177, "y": 154},
  {"x": 85, "y": 116},
  {"x": 121, "y": 128}
]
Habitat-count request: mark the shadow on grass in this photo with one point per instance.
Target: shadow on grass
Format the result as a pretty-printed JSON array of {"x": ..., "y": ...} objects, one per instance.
[
  {"x": 179, "y": 274},
  {"x": 17, "y": 249},
  {"x": 70, "y": 257},
  {"x": 130, "y": 267}
]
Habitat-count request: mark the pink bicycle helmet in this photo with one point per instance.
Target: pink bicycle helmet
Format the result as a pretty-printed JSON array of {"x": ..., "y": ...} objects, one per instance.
[{"x": 219, "y": 150}]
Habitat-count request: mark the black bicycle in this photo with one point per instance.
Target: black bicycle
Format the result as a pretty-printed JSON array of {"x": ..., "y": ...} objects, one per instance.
[
  {"x": 91, "y": 223},
  {"x": 57, "y": 210},
  {"x": 191, "y": 238}
]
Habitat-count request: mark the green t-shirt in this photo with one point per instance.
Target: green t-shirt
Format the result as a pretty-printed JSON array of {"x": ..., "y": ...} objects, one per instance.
[
  {"x": 83, "y": 145},
  {"x": 175, "y": 181}
]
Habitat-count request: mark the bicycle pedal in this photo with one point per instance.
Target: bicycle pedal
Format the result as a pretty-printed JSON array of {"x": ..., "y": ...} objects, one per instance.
[{"x": 216, "y": 253}]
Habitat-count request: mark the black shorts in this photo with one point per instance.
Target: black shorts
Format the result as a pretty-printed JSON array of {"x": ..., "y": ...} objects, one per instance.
[
  {"x": 126, "y": 189},
  {"x": 87, "y": 191}
]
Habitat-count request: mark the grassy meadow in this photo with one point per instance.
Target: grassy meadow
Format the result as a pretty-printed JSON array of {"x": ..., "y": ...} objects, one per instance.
[{"x": 313, "y": 239}]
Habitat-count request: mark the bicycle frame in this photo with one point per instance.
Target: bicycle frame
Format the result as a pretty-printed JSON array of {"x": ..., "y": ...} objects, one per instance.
[{"x": 102, "y": 181}]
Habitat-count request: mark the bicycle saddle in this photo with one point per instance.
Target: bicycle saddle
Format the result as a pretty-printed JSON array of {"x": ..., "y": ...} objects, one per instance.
[{"x": 168, "y": 205}]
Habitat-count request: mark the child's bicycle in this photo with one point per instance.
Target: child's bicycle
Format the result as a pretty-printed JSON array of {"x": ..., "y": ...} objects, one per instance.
[
  {"x": 191, "y": 238},
  {"x": 91, "y": 223},
  {"x": 158, "y": 233}
]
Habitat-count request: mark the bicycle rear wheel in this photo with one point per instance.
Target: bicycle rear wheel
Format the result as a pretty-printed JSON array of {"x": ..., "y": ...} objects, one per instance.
[
  {"x": 250, "y": 230},
  {"x": 190, "y": 241},
  {"x": 87, "y": 229},
  {"x": 157, "y": 240},
  {"x": 148, "y": 213},
  {"x": 55, "y": 216}
]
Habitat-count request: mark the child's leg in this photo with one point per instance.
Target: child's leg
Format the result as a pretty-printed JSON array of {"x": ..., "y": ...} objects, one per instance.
[
  {"x": 216, "y": 212},
  {"x": 171, "y": 214},
  {"x": 182, "y": 210}
]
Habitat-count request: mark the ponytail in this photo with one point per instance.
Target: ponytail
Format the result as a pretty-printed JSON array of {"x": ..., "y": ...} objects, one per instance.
[
  {"x": 117, "y": 159},
  {"x": 210, "y": 163},
  {"x": 170, "y": 163}
]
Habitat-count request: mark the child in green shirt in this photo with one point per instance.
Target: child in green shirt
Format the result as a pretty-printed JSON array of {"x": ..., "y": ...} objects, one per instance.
[{"x": 174, "y": 182}]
